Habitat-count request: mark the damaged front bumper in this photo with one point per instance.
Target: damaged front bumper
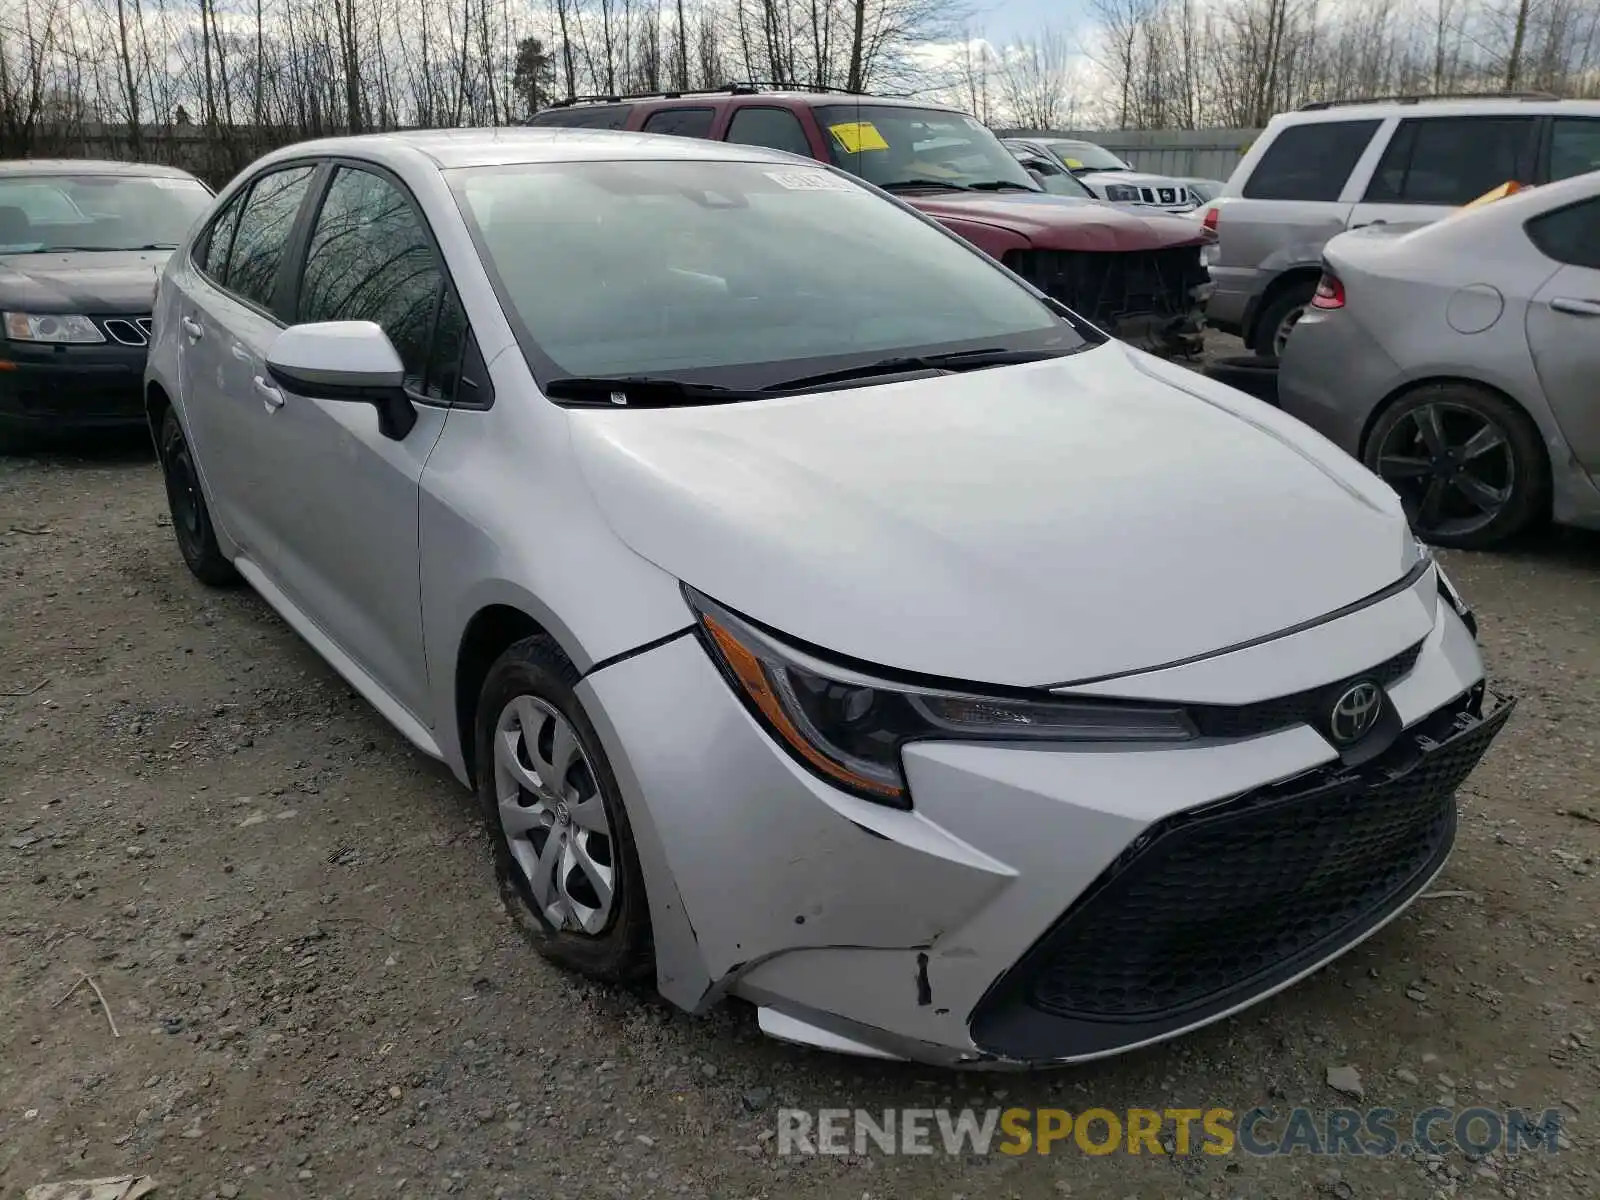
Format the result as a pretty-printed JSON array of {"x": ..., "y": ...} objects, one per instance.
[
  {"x": 1152, "y": 299},
  {"x": 989, "y": 925}
]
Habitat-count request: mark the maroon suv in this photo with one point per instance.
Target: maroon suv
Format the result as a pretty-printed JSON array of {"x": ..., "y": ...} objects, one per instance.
[{"x": 1137, "y": 275}]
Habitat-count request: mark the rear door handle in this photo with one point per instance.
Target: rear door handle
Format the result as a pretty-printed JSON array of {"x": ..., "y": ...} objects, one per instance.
[
  {"x": 194, "y": 329},
  {"x": 239, "y": 352},
  {"x": 1364, "y": 224},
  {"x": 1575, "y": 306},
  {"x": 270, "y": 396}
]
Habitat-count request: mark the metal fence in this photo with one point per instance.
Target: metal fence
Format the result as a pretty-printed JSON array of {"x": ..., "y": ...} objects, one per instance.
[{"x": 1185, "y": 153}]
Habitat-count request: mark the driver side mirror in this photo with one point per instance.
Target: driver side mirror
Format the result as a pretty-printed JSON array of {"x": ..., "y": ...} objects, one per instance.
[{"x": 346, "y": 361}]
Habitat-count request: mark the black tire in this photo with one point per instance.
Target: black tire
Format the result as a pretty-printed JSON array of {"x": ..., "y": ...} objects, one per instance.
[
  {"x": 1402, "y": 449},
  {"x": 1291, "y": 299},
  {"x": 622, "y": 952},
  {"x": 186, "y": 502}
]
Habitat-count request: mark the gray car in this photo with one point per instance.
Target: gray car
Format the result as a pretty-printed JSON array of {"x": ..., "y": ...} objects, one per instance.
[
  {"x": 1460, "y": 363},
  {"x": 1402, "y": 163}
]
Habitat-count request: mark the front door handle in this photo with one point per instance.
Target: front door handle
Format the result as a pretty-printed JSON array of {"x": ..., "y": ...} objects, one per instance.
[
  {"x": 1364, "y": 224},
  {"x": 1576, "y": 307},
  {"x": 239, "y": 352},
  {"x": 194, "y": 329},
  {"x": 270, "y": 396}
]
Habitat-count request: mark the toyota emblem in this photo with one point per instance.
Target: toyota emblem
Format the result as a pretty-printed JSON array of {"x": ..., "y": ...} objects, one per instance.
[{"x": 1355, "y": 712}]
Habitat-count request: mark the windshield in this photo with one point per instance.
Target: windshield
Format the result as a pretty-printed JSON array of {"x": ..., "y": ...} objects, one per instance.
[
  {"x": 1086, "y": 156},
  {"x": 891, "y": 146},
  {"x": 41, "y": 213},
  {"x": 738, "y": 274},
  {"x": 1051, "y": 175}
]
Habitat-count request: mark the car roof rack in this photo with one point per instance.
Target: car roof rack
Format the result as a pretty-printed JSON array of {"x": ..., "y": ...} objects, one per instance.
[
  {"x": 1319, "y": 105},
  {"x": 741, "y": 87}
]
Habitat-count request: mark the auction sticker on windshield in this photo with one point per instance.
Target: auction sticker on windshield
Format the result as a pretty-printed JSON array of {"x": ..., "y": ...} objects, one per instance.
[
  {"x": 856, "y": 136},
  {"x": 810, "y": 181}
]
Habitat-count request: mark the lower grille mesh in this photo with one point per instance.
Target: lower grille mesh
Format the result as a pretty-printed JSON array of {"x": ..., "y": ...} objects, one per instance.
[{"x": 1211, "y": 901}]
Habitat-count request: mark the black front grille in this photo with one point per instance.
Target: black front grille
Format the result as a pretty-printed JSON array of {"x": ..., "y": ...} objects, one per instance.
[
  {"x": 1309, "y": 707},
  {"x": 1213, "y": 906},
  {"x": 72, "y": 394},
  {"x": 1104, "y": 287}
]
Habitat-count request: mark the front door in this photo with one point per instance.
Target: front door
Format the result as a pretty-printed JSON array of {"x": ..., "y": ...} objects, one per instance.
[{"x": 342, "y": 511}]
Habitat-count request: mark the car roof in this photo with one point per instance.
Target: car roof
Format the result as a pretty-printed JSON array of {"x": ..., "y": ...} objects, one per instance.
[
  {"x": 759, "y": 96},
  {"x": 88, "y": 166},
  {"x": 1462, "y": 106},
  {"x": 453, "y": 148}
]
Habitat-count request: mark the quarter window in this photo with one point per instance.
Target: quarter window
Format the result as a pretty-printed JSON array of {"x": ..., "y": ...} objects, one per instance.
[
  {"x": 681, "y": 122},
  {"x": 588, "y": 116},
  {"x": 262, "y": 234},
  {"x": 370, "y": 259},
  {"x": 1452, "y": 160},
  {"x": 1310, "y": 162},
  {"x": 219, "y": 240},
  {"x": 777, "y": 128},
  {"x": 1570, "y": 235}
]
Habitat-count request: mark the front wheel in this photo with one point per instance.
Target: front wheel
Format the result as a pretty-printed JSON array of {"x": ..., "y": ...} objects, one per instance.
[
  {"x": 1468, "y": 464},
  {"x": 563, "y": 848},
  {"x": 191, "y": 520}
]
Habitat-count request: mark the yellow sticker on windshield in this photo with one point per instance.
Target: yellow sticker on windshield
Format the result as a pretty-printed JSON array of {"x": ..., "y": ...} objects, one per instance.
[
  {"x": 856, "y": 136},
  {"x": 1073, "y": 164}
]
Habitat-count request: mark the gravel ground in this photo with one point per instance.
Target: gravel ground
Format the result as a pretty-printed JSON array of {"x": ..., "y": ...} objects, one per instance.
[{"x": 291, "y": 916}]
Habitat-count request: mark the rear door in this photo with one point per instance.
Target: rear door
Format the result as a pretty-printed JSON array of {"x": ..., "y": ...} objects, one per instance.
[
  {"x": 1564, "y": 324},
  {"x": 228, "y": 319},
  {"x": 1433, "y": 165},
  {"x": 344, "y": 511}
]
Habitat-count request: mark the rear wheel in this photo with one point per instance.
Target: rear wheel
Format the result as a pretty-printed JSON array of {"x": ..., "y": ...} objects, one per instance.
[
  {"x": 1468, "y": 464},
  {"x": 191, "y": 520},
  {"x": 1281, "y": 316}
]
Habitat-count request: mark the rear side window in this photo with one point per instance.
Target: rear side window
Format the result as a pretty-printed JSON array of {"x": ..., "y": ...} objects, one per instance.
[
  {"x": 1574, "y": 147},
  {"x": 1452, "y": 160},
  {"x": 1310, "y": 162},
  {"x": 263, "y": 233},
  {"x": 1569, "y": 235},
  {"x": 777, "y": 128},
  {"x": 588, "y": 116},
  {"x": 681, "y": 122}
]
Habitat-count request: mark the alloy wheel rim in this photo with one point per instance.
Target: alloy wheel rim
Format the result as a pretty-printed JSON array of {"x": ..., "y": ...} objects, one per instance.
[
  {"x": 1453, "y": 467},
  {"x": 1280, "y": 336},
  {"x": 553, "y": 816}
]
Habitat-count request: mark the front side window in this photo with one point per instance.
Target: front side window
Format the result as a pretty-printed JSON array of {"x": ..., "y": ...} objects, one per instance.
[
  {"x": 681, "y": 122},
  {"x": 1452, "y": 160},
  {"x": 1574, "y": 147},
  {"x": 744, "y": 274},
  {"x": 777, "y": 128},
  {"x": 584, "y": 116},
  {"x": 1569, "y": 235},
  {"x": 370, "y": 259},
  {"x": 262, "y": 235},
  {"x": 1310, "y": 162},
  {"x": 901, "y": 147},
  {"x": 44, "y": 214}
]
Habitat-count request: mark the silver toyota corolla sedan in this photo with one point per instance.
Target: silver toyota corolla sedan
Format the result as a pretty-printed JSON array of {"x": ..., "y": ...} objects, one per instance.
[
  {"x": 1461, "y": 361},
  {"x": 823, "y": 616}
]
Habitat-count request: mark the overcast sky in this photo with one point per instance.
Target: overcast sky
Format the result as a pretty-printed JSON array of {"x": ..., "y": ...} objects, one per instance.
[{"x": 1003, "y": 20}]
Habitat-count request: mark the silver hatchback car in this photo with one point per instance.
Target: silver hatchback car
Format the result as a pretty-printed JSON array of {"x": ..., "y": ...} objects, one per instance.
[{"x": 823, "y": 615}]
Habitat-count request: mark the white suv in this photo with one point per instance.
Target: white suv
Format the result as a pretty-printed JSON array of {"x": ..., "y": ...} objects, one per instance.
[{"x": 1333, "y": 166}]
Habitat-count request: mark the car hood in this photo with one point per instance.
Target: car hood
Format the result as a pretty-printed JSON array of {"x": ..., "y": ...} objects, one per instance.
[
  {"x": 1062, "y": 222},
  {"x": 1136, "y": 178},
  {"x": 1038, "y": 524},
  {"x": 83, "y": 282}
]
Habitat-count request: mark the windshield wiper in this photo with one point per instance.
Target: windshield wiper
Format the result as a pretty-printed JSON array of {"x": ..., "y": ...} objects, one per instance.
[
  {"x": 640, "y": 391},
  {"x": 1000, "y": 185},
  {"x": 925, "y": 183},
  {"x": 958, "y": 360},
  {"x": 94, "y": 249}
]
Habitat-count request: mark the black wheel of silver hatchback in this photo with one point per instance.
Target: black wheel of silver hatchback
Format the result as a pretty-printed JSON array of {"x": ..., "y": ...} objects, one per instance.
[
  {"x": 1468, "y": 464},
  {"x": 564, "y": 850},
  {"x": 186, "y": 502}
]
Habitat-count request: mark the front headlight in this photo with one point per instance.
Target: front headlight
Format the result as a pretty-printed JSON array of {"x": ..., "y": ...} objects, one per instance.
[
  {"x": 51, "y": 327},
  {"x": 848, "y": 726},
  {"x": 1122, "y": 193}
]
